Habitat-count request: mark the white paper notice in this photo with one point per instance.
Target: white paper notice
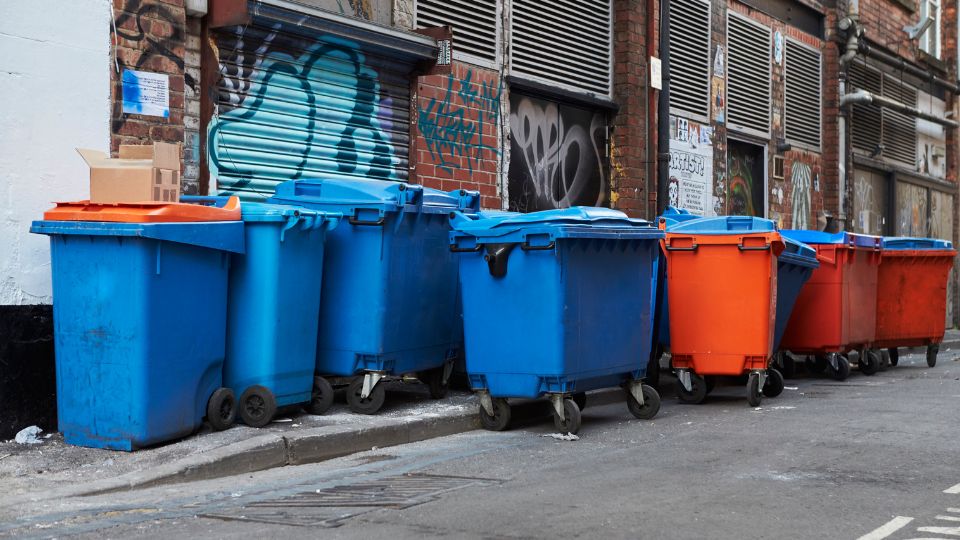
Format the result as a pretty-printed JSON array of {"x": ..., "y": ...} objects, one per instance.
[{"x": 146, "y": 93}]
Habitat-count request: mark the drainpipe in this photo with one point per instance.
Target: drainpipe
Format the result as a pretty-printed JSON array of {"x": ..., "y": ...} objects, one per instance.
[
  {"x": 862, "y": 96},
  {"x": 906, "y": 67},
  {"x": 663, "y": 111},
  {"x": 651, "y": 95},
  {"x": 851, "y": 25}
]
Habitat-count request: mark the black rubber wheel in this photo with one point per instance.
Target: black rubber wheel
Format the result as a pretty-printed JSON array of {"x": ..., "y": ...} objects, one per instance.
[
  {"x": 788, "y": 368},
  {"x": 580, "y": 398},
  {"x": 894, "y": 356},
  {"x": 651, "y": 403},
  {"x": 754, "y": 396},
  {"x": 652, "y": 377},
  {"x": 321, "y": 397},
  {"x": 257, "y": 406},
  {"x": 434, "y": 380},
  {"x": 843, "y": 368},
  {"x": 698, "y": 392},
  {"x": 369, "y": 405},
  {"x": 571, "y": 418},
  {"x": 773, "y": 386},
  {"x": 500, "y": 418},
  {"x": 869, "y": 362},
  {"x": 932, "y": 351},
  {"x": 221, "y": 409}
]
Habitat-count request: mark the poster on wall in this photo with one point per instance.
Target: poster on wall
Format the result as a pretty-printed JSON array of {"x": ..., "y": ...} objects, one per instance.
[
  {"x": 146, "y": 93},
  {"x": 691, "y": 166}
]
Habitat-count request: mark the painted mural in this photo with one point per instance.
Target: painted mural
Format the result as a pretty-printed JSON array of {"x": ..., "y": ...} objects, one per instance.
[
  {"x": 912, "y": 210},
  {"x": 557, "y": 155},
  {"x": 292, "y": 108},
  {"x": 691, "y": 167},
  {"x": 801, "y": 180},
  {"x": 745, "y": 187}
]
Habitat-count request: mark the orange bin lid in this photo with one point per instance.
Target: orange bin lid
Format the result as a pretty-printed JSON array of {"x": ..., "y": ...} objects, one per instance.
[{"x": 144, "y": 212}]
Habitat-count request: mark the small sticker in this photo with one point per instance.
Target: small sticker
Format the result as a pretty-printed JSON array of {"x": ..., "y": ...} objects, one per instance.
[{"x": 656, "y": 77}]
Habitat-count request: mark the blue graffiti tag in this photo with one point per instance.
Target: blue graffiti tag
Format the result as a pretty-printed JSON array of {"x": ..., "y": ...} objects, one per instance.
[{"x": 447, "y": 127}]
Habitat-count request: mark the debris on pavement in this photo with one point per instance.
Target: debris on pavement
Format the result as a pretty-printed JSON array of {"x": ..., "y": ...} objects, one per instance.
[
  {"x": 28, "y": 435},
  {"x": 562, "y": 437}
]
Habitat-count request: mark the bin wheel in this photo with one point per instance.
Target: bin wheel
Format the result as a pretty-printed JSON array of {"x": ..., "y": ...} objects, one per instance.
[
  {"x": 321, "y": 397},
  {"x": 651, "y": 403},
  {"x": 500, "y": 418},
  {"x": 773, "y": 387},
  {"x": 932, "y": 351},
  {"x": 257, "y": 406},
  {"x": 754, "y": 396},
  {"x": 580, "y": 398},
  {"x": 894, "y": 356},
  {"x": 222, "y": 409},
  {"x": 369, "y": 405},
  {"x": 697, "y": 394},
  {"x": 869, "y": 362},
  {"x": 571, "y": 418},
  {"x": 843, "y": 368},
  {"x": 434, "y": 380}
]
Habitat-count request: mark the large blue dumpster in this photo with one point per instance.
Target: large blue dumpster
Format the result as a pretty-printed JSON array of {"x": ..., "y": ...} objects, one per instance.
[
  {"x": 389, "y": 299},
  {"x": 273, "y": 311},
  {"x": 795, "y": 265},
  {"x": 139, "y": 328},
  {"x": 556, "y": 303}
]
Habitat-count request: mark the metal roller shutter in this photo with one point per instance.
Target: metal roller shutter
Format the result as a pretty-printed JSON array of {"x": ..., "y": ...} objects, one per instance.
[{"x": 298, "y": 102}]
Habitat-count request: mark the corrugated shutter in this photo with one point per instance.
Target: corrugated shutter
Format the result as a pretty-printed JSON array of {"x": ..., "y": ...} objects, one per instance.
[
  {"x": 866, "y": 119},
  {"x": 690, "y": 57},
  {"x": 899, "y": 130},
  {"x": 748, "y": 75},
  {"x": 293, "y": 106},
  {"x": 563, "y": 42},
  {"x": 474, "y": 24},
  {"x": 803, "y": 100}
]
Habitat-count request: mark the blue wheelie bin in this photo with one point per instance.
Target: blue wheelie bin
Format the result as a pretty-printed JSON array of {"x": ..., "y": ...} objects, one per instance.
[
  {"x": 542, "y": 294},
  {"x": 795, "y": 265},
  {"x": 273, "y": 310},
  {"x": 388, "y": 305},
  {"x": 139, "y": 321}
]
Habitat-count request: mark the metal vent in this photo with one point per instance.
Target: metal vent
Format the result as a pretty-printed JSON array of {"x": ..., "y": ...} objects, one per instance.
[
  {"x": 899, "y": 130},
  {"x": 748, "y": 75},
  {"x": 867, "y": 120},
  {"x": 803, "y": 98},
  {"x": 564, "y": 42},
  {"x": 690, "y": 57},
  {"x": 474, "y": 24}
]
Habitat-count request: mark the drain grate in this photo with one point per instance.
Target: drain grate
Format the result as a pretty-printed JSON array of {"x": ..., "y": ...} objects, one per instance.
[{"x": 331, "y": 506}]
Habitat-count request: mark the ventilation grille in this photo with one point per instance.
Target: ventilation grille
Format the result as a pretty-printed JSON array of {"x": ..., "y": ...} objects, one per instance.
[
  {"x": 474, "y": 24},
  {"x": 873, "y": 125},
  {"x": 690, "y": 57},
  {"x": 803, "y": 107},
  {"x": 564, "y": 41},
  {"x": 748, "y": 77},
  {"x": 867, "y": 120}
]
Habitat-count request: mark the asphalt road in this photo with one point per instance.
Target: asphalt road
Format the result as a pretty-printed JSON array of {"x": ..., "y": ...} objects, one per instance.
[{"x": 872, "y": 457}]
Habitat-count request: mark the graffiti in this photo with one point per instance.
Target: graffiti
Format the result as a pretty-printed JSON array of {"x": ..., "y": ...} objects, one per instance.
[
  {"x": 448, "y": 127},
  {"x": 691, "y": 166},
  {"x": 153, "y": 46},
  {"x": 556, "y": 155},
  {"x": 800, "y": 180},
  {"x": 868, "y": 202},
  {"x": 912, "y": 217},
  {"x": 746, "y": 178},
  {"x": 312, "y": 109}
]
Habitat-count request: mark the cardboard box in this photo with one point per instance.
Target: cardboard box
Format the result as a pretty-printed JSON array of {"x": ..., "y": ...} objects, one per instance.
[{"x": 141, "y": 173}]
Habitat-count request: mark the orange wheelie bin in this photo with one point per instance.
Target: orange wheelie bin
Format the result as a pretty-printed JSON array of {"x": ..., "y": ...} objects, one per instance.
[
  {"x": 722, "y": 283},
  {"x": 836, "y": 311},
  {"x": 912, "y": 294}
]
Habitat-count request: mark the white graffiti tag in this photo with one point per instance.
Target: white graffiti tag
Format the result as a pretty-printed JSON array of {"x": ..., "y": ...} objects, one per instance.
[{"x": 800, "y": 196}]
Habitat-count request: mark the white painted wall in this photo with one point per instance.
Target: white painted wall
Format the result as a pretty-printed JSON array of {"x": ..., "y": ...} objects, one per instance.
[{"x": 54, "y": 96}]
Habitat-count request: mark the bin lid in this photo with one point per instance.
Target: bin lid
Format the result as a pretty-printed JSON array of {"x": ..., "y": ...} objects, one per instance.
[
  {"x": 674, "y": 215},
  {"x": 576, "y": 221},
  {"x": 904, "y": 242},
  {"x": 383, "y": 195},
  {"x": 845, "y": 238},
  {"x": 221, "y": 209},
  {"x": 724, "y": 225},
  {"x": 264, "y": 212},
  {"x": 219, "y": 235},
  {"x": 798, "y": 253}
]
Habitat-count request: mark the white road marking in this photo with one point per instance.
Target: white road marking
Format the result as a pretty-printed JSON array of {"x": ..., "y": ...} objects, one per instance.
[
  {"x": 949, "y": 518},
  {"x": 957, "y": 510},
  {"x": 953, "y": 490},
  {"x": 950, "y": 531},
  {"x": 887, "y": 529}
]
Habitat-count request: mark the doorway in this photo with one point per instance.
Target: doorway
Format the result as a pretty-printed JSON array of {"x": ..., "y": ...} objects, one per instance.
[{"x": 747, "y": 174}]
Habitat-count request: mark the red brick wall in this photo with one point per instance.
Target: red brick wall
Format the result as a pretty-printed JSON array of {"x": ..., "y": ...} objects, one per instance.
[
  {"x": 150, "y": 36},
  {"x": 458, "y": 124}
]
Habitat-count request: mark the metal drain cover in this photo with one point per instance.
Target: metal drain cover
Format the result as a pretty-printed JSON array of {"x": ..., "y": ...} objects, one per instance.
[{"x": 331, "y": 506}]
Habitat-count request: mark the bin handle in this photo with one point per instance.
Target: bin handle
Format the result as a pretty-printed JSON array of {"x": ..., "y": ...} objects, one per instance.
[
  {"x": 527, "y": 247},
  {"x": 670, "y": 247},
  {"x": 765, "y": 247},
  {"x": 354, "y": 220},
  {"x": 455, "y": 249},
  {"x": 292, "y": 221}
]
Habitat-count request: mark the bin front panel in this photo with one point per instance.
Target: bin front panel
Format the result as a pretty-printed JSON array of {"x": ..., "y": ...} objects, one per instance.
[
  {"x": 722, "y": 303},
  {"x": 139, "y": 329},
  {"x": 819, "y": 319},
  {"x": 274, "y": 306},
  {"x": 860, "y": 313},
  {"x": 912, "y": 297},
  {"x": 568, "y": 319}
]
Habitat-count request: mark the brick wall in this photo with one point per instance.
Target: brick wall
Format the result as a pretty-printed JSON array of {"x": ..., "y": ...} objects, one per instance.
[
  {"x": 191, "y": 115},
  {"x": 628, "y": 141},
  {"x": 150, "y": 36},
  {"x": 458, "y": 121}
]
